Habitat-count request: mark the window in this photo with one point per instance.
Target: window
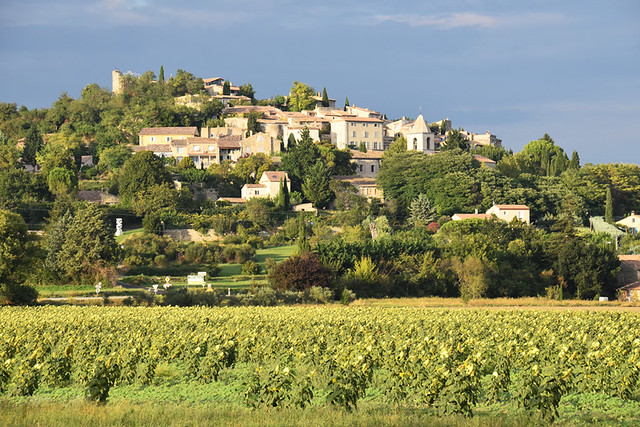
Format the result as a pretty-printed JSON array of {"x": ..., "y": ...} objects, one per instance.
[
  {"x": 353, "y": 134},
  {"x": 260, "y": 138},
  {"x": 375, "y": 145},
  {"x": 152, "y": 139},
  {"x": 361, "y": 168},
  {"x": 212, "y": 148},
  {"x": 353, "y": 124},
  {"x": 415, "y": 143},
  {"x": 366, "y": 134},
  {"x": 375, "y": 134},
  {"x": 373, "y": 168},
  {"x": 248, "y": 150},
  {"x": 196, "y": 148},
  {"x": 180, "y": 150},
  {"x": 168, "y": 138},
  {"x": 257, "y": 192}
]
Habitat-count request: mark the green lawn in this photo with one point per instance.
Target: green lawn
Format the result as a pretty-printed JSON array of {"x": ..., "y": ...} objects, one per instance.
[{"x": 128, "y": 233}]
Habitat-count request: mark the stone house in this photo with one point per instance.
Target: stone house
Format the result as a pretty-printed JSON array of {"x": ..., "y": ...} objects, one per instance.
[
  {"x": 367, "y": 164},
  {"x": 508, "y": 212},
  {"x": 351, "y": 131},
  {"x": 632, "y": 223},
  {"x": 267, "y": 187},
  {"x": 162, "y": 135}
]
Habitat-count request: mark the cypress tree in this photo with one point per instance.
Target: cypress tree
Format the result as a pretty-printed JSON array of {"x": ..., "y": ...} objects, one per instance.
[
  {"x": 291, "y": 142},
  {"x": 575, "y": 160},
  {"x": 325, "y": 98},
  {"x": 226, "y": 88},
  {"x": 608, "y": 207},
  {"x": 286, "y": 195},
  {"x": 161, "y": 75}
]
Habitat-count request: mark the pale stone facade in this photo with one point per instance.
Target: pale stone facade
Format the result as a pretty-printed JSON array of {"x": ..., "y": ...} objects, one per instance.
[
  {"x": 508, "y": 212},
  {"x": 164, "y": 135},
  {"x": 367, "y": 164},
  {"x": 632, "y": 222},
  {"x": 268, "y": 186},
  {"x": 420, "y": 138},
  {"x": 351, "y": 131}
]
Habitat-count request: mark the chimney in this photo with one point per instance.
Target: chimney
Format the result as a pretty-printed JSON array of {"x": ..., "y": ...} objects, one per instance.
[{"x": 476, "y": 211}]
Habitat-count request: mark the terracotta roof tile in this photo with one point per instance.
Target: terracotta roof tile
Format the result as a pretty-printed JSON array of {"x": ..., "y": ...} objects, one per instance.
[{"x": 191, "y": 131}]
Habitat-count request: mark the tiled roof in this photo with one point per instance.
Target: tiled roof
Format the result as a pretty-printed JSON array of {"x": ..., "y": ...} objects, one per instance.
[
  {"x": 255, "y": 186},
  {"x": 512, "y": 207},
  {"x": 630, "y": 286},
  {"x": 275, "y": 176},
  {"x": 483, "y": 159},
  {"x": 229, "y": 145},
  {"x": 233, "y": 199},
  {"x": 356, "y": 180},
  {"x": 369, "y": 155},
  {"x": 359, "y": 119},
  {"x": 469, "y": 216},
  {"x": 165, "y": 148},
  {"x": 191, "y": 131},
  {"x": 202, "y": 140}
]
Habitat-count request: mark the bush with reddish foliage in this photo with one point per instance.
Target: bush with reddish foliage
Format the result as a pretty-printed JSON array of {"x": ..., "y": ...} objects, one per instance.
[{"x": 300, "y": 273}]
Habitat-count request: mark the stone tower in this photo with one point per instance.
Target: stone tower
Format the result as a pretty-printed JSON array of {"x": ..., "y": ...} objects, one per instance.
[{"x": 116, "y": 81}]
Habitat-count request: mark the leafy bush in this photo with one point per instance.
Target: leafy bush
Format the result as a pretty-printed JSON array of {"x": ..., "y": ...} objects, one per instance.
[
  {"x": 320, "y": 295},
  {"x": 250, "y": 268},
  {"x": 152, "y": 223},
  {"x": 301, "y": 272},
  {"x": 347, "y": 297},
  {"x": 238, "y": 254},
  {"x": 17, "y": 294},
  {"x": 264, "y": 296}
]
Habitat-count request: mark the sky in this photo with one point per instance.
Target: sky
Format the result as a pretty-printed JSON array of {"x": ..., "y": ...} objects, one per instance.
[{"x": 568, "y": 68}]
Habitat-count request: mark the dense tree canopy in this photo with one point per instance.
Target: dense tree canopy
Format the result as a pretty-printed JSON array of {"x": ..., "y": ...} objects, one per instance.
[{"x": 143, "y": 170}]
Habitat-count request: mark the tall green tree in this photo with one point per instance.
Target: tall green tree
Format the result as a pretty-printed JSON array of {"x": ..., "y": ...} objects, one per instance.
[
  {"x": 299, "y": 159},
  {"x": 346, "y": 103},
  {"x": 226, "y": 88},
  {"x": 9, "y": 154},
  {"x": 325, "y": 97},
  {"x": 316, "y": 185},
  {"x": 62, "y": 182},
  {"x": 608, "y": 207},
  {"x": 301, "y": 97},
  {"x": 161, "y": 75},
  {"x": 575, "y": 160},
  {"x": 454, "y": 140},
  {"x": 253, "y": 126},
  {"x": 17, "y": 254},
  {"x": 88, "y": 246},
  {"x": 421, "y": 211},
  {"x": 248, "y": 91},
  {"x": 32, "y": 144},
  {"x": 143, "y": 170}
]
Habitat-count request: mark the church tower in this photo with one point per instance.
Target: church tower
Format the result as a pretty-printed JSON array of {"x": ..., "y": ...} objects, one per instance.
[{"x": 116, "y": 81}]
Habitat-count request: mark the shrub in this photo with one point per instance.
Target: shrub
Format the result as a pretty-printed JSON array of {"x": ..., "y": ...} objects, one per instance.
[
  {"x": 17, "y": 294},
  {"x": 347, "y": 297},
  {"x": 264, "y": 296},
  {"x": 238, "y": 253},
  {"x": 250, "y": 268},
  {"x": 152, "y": 224},
  {"x": 269, "y": 264},
  {"x": 320, "y": 295},
  {"x": 161, "y": 260},
  {"x": 301, "y": 272}
]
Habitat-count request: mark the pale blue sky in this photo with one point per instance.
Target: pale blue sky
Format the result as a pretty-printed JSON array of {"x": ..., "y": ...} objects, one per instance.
[{"x": 520, "y": 69}]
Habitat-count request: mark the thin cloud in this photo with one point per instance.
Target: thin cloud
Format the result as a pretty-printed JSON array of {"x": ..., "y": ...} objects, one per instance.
[
  {"x": 116, "y": 13},
  {"x": 468, "y": 19}
]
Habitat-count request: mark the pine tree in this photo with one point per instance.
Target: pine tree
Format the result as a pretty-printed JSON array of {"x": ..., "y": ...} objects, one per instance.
[
  {"x": 32, "y": 145},
  {"x": 422, "y": 213},
  {"x": 325, "y": 98},
  {"x": 316, "y": 185},
  {"x": 161, "y": 75},
  {"x": 291, "y": 142},
  {"x": 286, "y": 195},
  {"x": 575, "y": 160},
  {"x": 608, "y": 207}
]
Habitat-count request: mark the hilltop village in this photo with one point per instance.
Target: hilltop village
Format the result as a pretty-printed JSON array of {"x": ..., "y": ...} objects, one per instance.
[{"x": 191, "y": 173}]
